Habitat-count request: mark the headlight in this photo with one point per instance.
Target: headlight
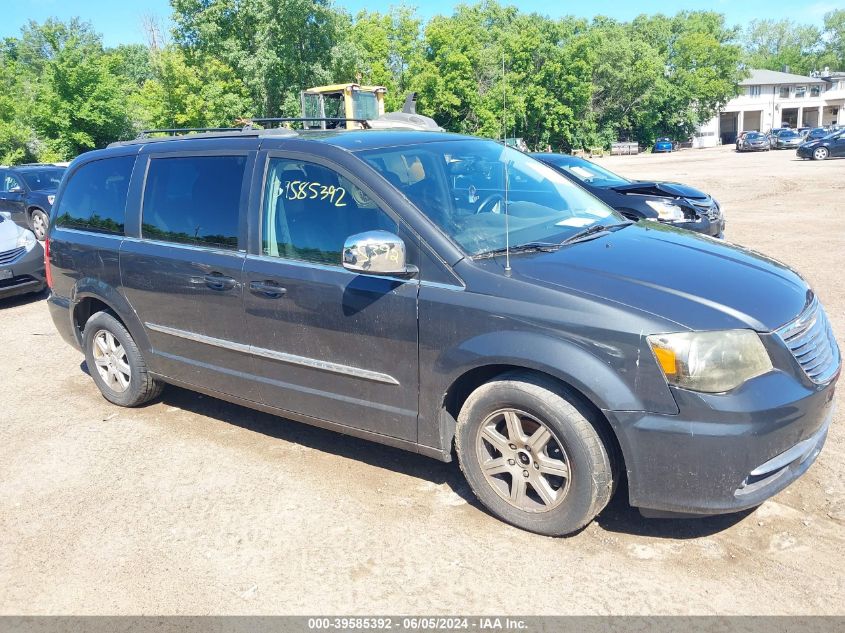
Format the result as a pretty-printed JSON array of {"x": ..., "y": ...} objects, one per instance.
[
  {"x": 26, "y": 239},
  {"x": 51, "y": 199},
  {"x": 711, "y": 362},
  {"x": 666, "y": 211}
]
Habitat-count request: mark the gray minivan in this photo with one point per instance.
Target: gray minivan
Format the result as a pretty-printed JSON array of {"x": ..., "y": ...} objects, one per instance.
[{"x": 451, "y": 296}]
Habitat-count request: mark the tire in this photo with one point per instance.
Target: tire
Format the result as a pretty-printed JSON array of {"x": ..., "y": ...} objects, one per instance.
[
  {"x": 569, "y": 480},
  {"x": 821, "y": 153},
  {"x": 116, "y": 364},
  {"x": 39, "y": 221}
]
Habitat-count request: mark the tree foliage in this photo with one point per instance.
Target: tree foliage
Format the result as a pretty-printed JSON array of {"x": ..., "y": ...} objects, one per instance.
[{"x": 568, "y": 83}]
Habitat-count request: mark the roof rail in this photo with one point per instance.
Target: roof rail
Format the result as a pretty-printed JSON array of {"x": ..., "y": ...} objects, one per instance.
[
  {"x": 185, "y": 130},
  {"x": 248, "y": 122}
]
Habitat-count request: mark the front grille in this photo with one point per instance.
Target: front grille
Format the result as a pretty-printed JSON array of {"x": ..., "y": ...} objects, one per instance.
[
  {"x": 810, "y": 339},
  {"x": 7, "y": 257},
  {"x": 709, "y": 209}
]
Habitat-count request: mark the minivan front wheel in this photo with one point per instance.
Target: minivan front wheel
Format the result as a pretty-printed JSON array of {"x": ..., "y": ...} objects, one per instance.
[
  {"x": 115, "y": 362},
  {"x": 531, "y": 456},
  {"x": 40, "y": 222}
]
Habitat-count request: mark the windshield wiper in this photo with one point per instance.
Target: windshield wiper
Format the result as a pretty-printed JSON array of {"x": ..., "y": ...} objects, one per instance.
[
  {"x": 592, "y": 232},
  {"x": 522, "y": 248}
]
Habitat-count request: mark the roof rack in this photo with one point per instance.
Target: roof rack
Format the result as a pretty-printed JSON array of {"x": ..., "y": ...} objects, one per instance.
[
  {"x": 173, "y": 131},
  {"x": 248, "y": 125},
  {"x": 364, "y": 122}
]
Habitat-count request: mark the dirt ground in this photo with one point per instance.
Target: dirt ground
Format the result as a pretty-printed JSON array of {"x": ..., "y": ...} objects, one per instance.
[{"x": 194, "y": 506}]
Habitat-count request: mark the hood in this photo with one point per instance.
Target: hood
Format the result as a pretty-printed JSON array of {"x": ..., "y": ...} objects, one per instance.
[
  {"x": 697, "y": 282},
  {"x": 656, "y": 188},
  {"x": 8, "y": 235}
]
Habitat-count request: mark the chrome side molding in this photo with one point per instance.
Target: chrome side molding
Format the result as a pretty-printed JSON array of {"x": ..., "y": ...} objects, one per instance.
[{"x": 291, "y": 359}]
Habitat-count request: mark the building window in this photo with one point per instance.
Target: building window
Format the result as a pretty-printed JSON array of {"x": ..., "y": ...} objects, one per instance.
[
  {"x": 784, "y": 92},
  {"x": 815, "y": 91},
  {"x": 754, "y": 91},
  {"x": 800, "y": 92}
]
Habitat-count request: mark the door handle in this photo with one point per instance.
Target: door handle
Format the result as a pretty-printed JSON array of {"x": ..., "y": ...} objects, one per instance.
[
  {"x": 216, "y": 281},
  {"x": 267, "y": 288}
]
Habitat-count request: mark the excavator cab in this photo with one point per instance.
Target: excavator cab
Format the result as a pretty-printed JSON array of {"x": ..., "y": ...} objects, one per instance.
[{"x": 341, "y": 101}]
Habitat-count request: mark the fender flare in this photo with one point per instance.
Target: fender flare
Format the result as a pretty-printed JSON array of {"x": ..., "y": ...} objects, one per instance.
[
  {"x": 595, "y": 379},
  {"x": 89, "y": 287}
]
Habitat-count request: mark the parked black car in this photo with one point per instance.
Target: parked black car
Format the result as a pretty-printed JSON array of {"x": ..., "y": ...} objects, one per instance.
[
  {"x": 21, "y": 260},
  {"x": 785, "y": 139},
  {"x": 820, "y": 149},
  {"x": 672, "y": 203},
  {"x": 27, "y": 193},
  {"x": 360, "y": 281},
  {"x": 753, "y": 142},
  {"x": 817, "y": 133}
]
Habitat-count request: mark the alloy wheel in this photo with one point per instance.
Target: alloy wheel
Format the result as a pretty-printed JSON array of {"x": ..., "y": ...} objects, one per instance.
[
  {"x": 39, "y": 225},
  {"x": 111, "y": 362},
  {"x": 820, "y": 153},
  {"x": 523, "y": 460}
]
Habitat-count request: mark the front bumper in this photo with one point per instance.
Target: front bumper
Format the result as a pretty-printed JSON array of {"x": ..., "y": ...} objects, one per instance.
[
  {"x": 704, "y": 225},
  {"x": 27, "y": 274},
  {"x": 805, "y": 152},
  {"x": 724, "y": 452}
]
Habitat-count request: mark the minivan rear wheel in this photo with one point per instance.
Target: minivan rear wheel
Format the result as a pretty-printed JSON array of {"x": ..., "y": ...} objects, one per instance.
[
  {"x": 116, "y": 364},
  {"x": 533, "y": 457}
]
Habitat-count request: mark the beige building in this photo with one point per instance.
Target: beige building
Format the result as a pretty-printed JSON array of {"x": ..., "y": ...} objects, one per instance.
[{"x": 771, "y": 99}]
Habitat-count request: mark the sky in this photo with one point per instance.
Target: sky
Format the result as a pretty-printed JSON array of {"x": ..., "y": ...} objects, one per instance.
[{"x": 119, "y": 21}]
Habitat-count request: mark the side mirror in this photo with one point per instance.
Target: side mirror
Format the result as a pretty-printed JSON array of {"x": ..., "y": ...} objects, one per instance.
[
  {"x": 376, "y": 253},
  {"x": 16, "y": 190}
]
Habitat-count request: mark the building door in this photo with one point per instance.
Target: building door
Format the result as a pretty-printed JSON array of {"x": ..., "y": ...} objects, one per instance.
[{"x": 728, "y": 127}]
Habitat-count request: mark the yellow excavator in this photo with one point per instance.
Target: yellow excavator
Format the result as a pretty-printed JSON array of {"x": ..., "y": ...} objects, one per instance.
[{"x": 354, "y": 106}]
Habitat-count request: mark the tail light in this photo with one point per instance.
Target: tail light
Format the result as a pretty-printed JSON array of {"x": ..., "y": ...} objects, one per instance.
[{"x": 47, "y": 270}]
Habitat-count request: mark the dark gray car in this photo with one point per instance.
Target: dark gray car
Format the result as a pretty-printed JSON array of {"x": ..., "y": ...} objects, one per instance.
[
  {"x": 453, "y": 297},
  {"x": 753, "y": 142},
  {"x": 27, "y": 193},
  {"x": 786, "y": 139}
]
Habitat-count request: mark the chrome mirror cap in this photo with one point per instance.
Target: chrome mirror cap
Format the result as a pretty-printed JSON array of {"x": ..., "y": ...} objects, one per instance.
[{"x": 375, "y": 253}]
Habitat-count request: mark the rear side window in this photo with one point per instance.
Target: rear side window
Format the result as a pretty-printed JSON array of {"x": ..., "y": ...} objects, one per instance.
[
  {"x": 194, "y": 200},
  {"x": 94, "y": 198}
]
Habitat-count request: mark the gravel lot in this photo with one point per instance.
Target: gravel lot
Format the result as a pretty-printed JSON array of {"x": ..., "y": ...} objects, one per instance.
[{"x": 191, "y": 505}]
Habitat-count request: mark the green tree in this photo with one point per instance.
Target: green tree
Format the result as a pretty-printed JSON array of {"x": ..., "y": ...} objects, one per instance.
[
  {"x": 775, "y": 44},
  {"x": 834, "y": 31},
  {"x": 71, "y": 89},
  {"x": 204, "y": 94},
  {"x": 661, "y": 75},
  {"x": 15, "y": 135},
  {"x": 277, "y": 47},
  {"x": 379, "y": 47}
]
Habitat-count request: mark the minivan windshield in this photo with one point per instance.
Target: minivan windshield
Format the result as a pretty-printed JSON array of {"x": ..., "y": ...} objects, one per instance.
[
  {"x": 43, "y": 179},
  {"x": 468, "y": 186}
]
